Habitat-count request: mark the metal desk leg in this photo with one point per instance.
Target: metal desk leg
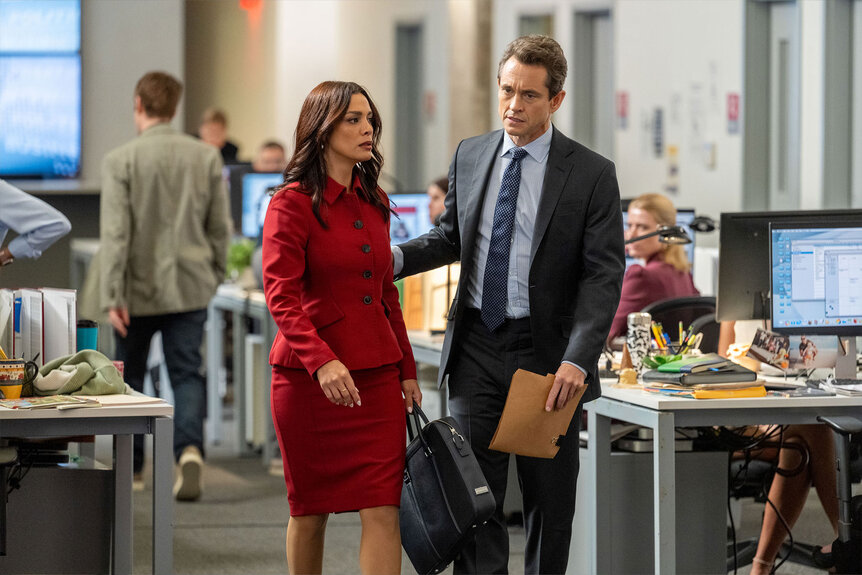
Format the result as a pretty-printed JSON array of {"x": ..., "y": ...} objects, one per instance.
[
  {"x": 215, "y": 351},
  {"x": 599, "y": 448},
  {"x": 163, "y": 501},
  {"x": 123, "y": 517},
  {"x": 270, "y": 443},
  {"x": 664, "y": 494},
  {"x": 239, "y": 332}
]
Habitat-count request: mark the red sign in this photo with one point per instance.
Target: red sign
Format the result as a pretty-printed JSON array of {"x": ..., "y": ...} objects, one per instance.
[
  {"x": 622, "y": 109},
  {"x": 733, "y": 113}
]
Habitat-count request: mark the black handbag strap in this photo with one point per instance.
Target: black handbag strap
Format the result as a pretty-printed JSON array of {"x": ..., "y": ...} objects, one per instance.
[{"x": 413, "y": 419}]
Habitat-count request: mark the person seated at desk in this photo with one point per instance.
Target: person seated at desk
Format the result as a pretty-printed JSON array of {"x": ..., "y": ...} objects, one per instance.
[
  {"x": 665, "y": 271},
  {"x": 270, "y": 157},
  {"x": 809, "y": 460}
]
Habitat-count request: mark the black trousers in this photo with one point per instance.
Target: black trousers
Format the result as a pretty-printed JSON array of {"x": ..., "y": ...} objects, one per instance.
[
  {"x": 182, "y": 334},
  {"x": 478, "y": 384}
]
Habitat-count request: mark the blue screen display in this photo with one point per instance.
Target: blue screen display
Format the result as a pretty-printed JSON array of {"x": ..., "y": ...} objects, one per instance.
[
  {"x": 411, "y": 218},
  {"x": 40, "y": 88},
  {"x": 816, "y": 279},
  {"x": 255, "y": 200},
  {"x": 33, "y": 26}
]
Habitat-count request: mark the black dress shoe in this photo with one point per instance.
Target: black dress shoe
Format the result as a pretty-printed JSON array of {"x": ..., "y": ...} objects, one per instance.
[{"x": 824, "y": 560}]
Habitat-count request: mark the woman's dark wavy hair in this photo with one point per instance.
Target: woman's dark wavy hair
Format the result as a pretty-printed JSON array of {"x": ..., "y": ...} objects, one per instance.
[{"x": 324, "y": 107}]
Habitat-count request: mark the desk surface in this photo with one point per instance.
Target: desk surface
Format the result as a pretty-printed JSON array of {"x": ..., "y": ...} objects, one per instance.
[
  {"x": 162, "y": 409},
  {"x": 661, "y": 402}
]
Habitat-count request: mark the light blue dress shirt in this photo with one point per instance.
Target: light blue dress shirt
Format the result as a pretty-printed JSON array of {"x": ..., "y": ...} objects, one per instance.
[
  {"x": 529, "y": 193},
  {"x": 37, "y": 224}
]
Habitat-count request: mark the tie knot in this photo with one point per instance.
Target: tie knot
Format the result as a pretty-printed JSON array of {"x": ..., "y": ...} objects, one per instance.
[{"x": 518, "y": 154}]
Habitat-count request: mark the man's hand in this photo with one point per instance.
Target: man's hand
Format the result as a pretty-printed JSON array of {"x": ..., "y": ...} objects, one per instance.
[
  {"x": 119, "y": 317},
  {"x": 567, "y": 382}
]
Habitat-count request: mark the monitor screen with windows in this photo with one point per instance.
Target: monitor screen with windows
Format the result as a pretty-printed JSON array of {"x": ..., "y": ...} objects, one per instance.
[
  {"x": 743, "y": 258},
  {"x": 40, "y": 88},
  {"x": 816, "y": 278},
  {"x": 256, "y": 193},
  {"x": 684, "y": 218},
  {"x": 410, "y": 219}
]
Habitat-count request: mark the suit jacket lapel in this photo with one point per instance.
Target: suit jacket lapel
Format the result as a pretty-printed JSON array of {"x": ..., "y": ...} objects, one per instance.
[
  {"x": 559, "y": 167},
  {"x": 481, "y": 169}
]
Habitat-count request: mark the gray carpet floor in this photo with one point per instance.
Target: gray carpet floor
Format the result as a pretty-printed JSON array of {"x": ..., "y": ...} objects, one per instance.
[{"x": 238, "y": 526}]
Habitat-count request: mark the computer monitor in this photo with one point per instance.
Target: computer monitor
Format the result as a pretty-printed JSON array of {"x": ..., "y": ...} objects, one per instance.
[
  {"x": 684, "y": 217},
  {"x": 743, "y": 258},
  {"x": 233, "y": 174},
  {"x": 256, "y": 193},
  {"x": 816, "y": 282},
  {"x": 411, "y": 218}
]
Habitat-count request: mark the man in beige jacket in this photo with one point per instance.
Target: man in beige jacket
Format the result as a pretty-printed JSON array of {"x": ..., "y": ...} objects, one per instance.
[{"x": 165, "y": 230}]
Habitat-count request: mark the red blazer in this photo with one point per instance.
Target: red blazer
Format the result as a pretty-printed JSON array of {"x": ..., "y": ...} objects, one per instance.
[
  {"x": 643, "y": 285},
  {"x": 330, "y": 289}
]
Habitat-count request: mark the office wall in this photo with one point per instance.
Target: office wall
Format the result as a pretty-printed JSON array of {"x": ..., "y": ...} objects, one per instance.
[
  {"x": 120, "y": 42},
  {"x": 231, "y": 62},
  {"x": 811, "y": 137},
  {"x": 366, "y": 54},
  {"x": 684, "y": 59}
]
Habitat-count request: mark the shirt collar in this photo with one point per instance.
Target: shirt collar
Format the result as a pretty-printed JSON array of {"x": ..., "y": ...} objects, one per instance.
[
  {"x": 334, "y": 189},
  {"x": 538, "y": 149},
  {"x": 160, "y": 128}
]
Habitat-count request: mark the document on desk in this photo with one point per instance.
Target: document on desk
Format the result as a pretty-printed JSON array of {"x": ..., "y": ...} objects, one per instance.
[{"x": 525, "y": 428}]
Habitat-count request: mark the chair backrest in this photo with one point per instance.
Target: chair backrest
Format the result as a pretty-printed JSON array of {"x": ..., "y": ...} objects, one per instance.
[
  {"x": 669, "y": 312},
  {"x": 710, "y": 329}
]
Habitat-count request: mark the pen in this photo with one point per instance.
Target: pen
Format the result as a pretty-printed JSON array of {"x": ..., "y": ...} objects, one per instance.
[
  {"x": 681, "y": 333},
  {"x": 2, "y": 353}
]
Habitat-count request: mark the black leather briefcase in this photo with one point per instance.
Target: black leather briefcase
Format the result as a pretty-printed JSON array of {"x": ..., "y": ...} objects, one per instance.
[{"x": 445, "y": 497}]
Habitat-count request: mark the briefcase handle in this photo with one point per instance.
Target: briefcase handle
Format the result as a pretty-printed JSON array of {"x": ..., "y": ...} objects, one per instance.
[{"x": 419, "y": 419}]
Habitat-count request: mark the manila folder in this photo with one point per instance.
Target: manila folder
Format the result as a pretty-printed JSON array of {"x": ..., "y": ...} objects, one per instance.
[{"x": 525, "y": 427}]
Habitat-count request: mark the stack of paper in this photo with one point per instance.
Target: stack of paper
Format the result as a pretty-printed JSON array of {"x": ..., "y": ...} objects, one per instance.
[{"x": 59, "y": 322}]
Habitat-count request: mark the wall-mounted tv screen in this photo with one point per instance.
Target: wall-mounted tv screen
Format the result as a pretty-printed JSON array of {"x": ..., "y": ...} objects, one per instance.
[{"x": 40, "y": 88}]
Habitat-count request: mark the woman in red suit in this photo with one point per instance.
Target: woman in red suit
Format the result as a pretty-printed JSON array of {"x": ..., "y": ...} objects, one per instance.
[
  {"x": 342, "y": 367},
  {"x": 664, "y": 272}
]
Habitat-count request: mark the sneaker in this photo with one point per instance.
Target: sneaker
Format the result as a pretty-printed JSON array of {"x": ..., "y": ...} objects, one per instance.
[
  {"x": 188, "y": 485},
  {"x": 138, "y": 481}
]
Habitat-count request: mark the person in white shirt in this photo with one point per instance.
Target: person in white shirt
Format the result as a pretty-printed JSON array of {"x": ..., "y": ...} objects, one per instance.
[{"x": 37, "y": 224}]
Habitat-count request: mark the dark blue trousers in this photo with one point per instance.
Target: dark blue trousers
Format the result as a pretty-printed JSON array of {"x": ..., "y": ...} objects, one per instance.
[
  {"x": 182, "y": 334},
  {"x": 478, "y": 384}
]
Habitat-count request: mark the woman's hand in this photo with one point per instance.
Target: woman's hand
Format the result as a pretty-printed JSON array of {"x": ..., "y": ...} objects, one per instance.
[
  {"x": 337, "y": 385},
  {"x": 411, "y": 391}
]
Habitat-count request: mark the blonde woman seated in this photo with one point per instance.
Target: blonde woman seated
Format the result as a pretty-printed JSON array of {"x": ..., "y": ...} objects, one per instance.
[
  {"x": 664, "y": 269},
  {"x": 809, "y": 461}
]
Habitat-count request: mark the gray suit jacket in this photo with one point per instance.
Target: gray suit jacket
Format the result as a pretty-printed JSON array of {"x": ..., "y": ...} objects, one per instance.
[{"x": 577, "y": 256}]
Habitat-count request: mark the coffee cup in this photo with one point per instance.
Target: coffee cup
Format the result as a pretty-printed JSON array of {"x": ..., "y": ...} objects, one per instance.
[{"x": 12, "y": 374}]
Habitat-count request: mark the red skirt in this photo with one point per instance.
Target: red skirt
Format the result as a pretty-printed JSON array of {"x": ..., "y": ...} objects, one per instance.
[{"x": 339, "y": 458}]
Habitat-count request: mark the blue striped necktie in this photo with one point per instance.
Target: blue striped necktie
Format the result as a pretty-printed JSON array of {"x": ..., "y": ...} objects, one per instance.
[{"x": 495, "y": 282}]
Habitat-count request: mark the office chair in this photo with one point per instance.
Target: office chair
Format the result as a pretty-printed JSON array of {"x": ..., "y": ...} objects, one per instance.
[
  {"x": 669, "y": 312},
  {"x": 710, "y": 329},
  {"x": 752, "y": 479}
]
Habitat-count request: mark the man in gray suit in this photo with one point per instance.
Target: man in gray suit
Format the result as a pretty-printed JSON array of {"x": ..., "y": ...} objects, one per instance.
[{"x": 535, "y": 220}]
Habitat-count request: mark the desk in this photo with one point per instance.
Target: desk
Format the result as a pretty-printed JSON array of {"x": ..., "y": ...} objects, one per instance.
[
  {"x": 242, "y": 304},
  {"x": 120, "y": 422},
  {"x": 662, "y": 414}
]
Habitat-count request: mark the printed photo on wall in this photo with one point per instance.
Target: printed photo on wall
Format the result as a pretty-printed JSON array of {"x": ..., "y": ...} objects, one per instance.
[{"x": 794, "y": 351}]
